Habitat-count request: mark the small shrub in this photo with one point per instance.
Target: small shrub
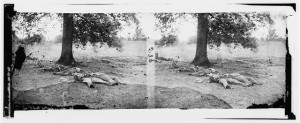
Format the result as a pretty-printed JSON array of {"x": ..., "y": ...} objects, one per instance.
[
  {"x": 116, "y": 42},
  {"x": 192, "y": 40},
  {"x": 139, "y": 35},
  {"x": 36, "y": 38},
  {"x": 58, "y": 39},
  {"x": 168, "y": 40}
]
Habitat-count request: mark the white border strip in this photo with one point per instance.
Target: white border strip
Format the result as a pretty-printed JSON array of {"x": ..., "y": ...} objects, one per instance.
[{"x": 145, "y": 8}]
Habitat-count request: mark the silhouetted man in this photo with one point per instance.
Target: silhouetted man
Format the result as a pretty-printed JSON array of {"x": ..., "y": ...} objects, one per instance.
[{"x": 20, "y": 58}]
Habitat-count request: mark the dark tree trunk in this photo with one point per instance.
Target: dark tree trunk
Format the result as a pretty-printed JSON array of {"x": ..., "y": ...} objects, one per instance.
[
  {"x": 66, "y": 57},
  {"x": 201, "y": 50}
]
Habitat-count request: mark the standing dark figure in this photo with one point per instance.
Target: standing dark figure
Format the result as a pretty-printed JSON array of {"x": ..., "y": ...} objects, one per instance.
[{"x": 20, "y": 58}]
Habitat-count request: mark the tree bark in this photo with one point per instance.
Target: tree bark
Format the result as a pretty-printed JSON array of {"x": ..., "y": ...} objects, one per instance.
[
  {"x": 66, "y": 57},
  {"x": 201, "y": 50}
]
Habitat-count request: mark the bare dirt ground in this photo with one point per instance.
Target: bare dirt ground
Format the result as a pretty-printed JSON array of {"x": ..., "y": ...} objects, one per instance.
[{"x": 35, "y": 87}]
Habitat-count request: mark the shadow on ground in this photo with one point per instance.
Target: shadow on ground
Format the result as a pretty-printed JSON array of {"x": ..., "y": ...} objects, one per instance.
[{"x": 130, "y": 96}]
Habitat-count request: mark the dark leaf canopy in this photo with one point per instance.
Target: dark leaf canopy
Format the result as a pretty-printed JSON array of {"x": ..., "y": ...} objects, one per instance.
[
  {"x": 100, "y": 27},
  {"x": 88, "y": 27},
  {"x": 224, "y": 27}
]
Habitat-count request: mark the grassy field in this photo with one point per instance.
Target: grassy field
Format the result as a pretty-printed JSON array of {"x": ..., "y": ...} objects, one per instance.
[{"x": 172, "y": 89}]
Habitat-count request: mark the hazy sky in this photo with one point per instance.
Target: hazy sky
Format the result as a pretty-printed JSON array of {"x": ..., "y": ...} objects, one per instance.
[{"x": 279, "y": 26}]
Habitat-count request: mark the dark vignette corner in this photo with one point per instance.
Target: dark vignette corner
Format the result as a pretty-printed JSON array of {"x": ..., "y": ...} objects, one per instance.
[
  {"x": 8, "y": 110},
  {"x": 288, "y": 75}
]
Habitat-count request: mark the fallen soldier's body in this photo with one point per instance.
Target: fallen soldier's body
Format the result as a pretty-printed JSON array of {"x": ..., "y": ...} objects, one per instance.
[
  {"x": 82, "y": 76},
  {"x": 55, "y": 68},
  {"x": 203, "y": 72},
  {"x": 69, "y": 72},
  {"x": 233, "y": 78},
  {"x": 193, "y": 70},
  {"x": 164, "y": 59},
  {"x": 97, "y": 78}
]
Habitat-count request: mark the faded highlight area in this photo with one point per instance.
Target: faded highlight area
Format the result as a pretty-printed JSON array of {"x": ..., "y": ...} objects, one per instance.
[{"x": 186, "y": 52}]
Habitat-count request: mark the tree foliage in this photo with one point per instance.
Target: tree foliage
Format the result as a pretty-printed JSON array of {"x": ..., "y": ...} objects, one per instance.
[
  {"x": 225, "y": 28},
  {"x": 28, "y": 23},
  {"x": 99, "y": 27},
  {"x": 88, "y": 27},
  {"x": 166, "y": 21},
  {"x": 166, "y": 25}
]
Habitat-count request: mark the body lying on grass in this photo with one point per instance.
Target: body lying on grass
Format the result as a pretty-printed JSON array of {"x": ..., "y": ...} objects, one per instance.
[
  {"x": 81, "y": 76},
  {"x": 215, "y": 76},
  {"x": 233, "y": 78},
  {"x": 97, "y": 77},
  {"x": 196, "y": 70}
]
